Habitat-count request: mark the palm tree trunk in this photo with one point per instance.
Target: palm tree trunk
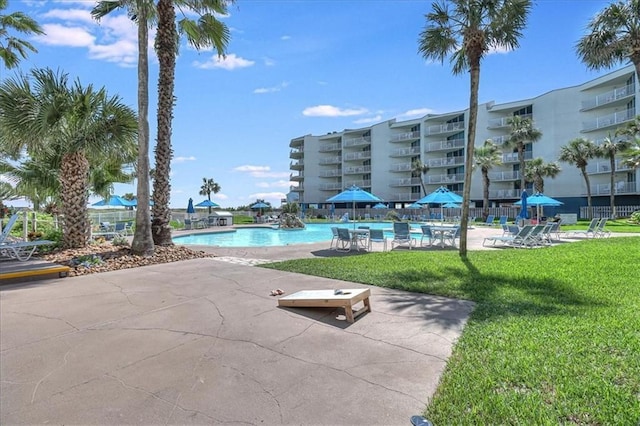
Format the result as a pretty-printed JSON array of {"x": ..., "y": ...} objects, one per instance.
[
  {"x": 142, "y": 244},
  {"x": 587, "y": 182},
  {"x": 166, "y": 50},
  {"x": 74, "y": 181},
  {"x": 485, "y": 193},
  {"x": 612, "y": 190},
  {"x": 468, "y": 162}
]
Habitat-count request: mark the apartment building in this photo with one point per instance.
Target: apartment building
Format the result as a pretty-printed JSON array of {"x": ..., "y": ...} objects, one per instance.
[{"x": 379, "y": 158}]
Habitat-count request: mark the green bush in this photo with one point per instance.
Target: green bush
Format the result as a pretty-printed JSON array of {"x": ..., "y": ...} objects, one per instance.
[{"x": 635, "y": 217}]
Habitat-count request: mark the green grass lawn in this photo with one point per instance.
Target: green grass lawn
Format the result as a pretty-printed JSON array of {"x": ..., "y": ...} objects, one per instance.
[{"x": 554, "y": 338}]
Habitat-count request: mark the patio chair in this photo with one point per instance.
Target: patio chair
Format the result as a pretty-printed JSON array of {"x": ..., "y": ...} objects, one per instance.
[
  {"x": 343, "y": 243},
  {"x": 402, "y": 235},
  {"x": 512, "y": 240},
  {"x": 334, "y": 237},
  {"x": 600, "y": 232},
  {"x": 377, "y": 236},
  {"x": 489, "y": 220},
  {"x": 451, "y": 236},
  {"x": 22, "y": 250},
  {"x": 7, "y": 228},
  {"x": 187, "y": 224},
  {"x": 503, "y": 220},
  {"x": 362, "y": 239},
  {"x": 590, "y": 232},
  {"x": 426, "y": 234}
]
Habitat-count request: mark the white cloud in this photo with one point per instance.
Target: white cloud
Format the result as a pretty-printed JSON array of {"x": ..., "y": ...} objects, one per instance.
[
  {"x": 285, "y": 37},
  {"x": 260, "y": 172},
  {"x": 229, "y": 63},
  {"x": 59, "y": 35},
  {"x": 498, "y": 49},
  {"x": 220, "y": 196},
  {"x": 183, "y": 159},
  {"x": 82, "y": 15},
  {"x": 268, "y": 62},
  {"x": 375, "y": 119},
  {"x": 332, "y": 111},
  {"x": 417, "y": 112},
  {"x": 277, "y": 184},
  {"x": 273, "y": 89},
  {"x": 271, "y": 197},
  {"x": 249, "y": 168}
]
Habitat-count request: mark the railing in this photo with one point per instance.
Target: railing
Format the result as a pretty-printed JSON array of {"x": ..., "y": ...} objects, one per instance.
[
  {"x": 405, "y": 182},
  {"x": 500, "y": 140},
  {"x": 359, "y": 183},
  {"x": 621, "y": 187},
  {"x": 401, "y": 167},
  {"x": 445, "y": 128},
  {"x": 362, "y": 155},
  {"x": 403, "y": 152},
  {"x": 503, "y": 176},
  {"x": 445, "y": 179},
  {"x": 405, "y": 137},
  {"x": 299, "y": 176},
  {"x": 296, "y": 164},
  {"x": 296, "y": 152},
  {"x": 298, "y": 188},
  {"x": 605, "y": 211},
  {"x": 609, "y": 97},
  {"x": 330, "y": 160},
  {"x": 406, "y": 196},
  {"x": 445, "y": 161},
  {"x": 512, "y": 157},
  {"x": 608, "y": 120},
  {"x": 330, "y": 147},
  {"x": 331, "y": 173},
  {"x": 330, "y": 186},
  {"x": 357, "y": 170},
  {"x": 445, "y": 145},
  {"x": 505, "y": 121},
  {"x": 605, "y": 167},
  {"x": 364, "y": 140},
  {"x": 501, "y": 194}
]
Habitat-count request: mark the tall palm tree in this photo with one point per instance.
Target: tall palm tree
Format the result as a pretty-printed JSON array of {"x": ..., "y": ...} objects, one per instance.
[
  {"x": 487, "y": 157},
  {"x": 536, "y": 170},
  {"x": 209, "y": 186},
  {"x": 578, "y": 152},
  {"x": 631, "y": 155},
  {"x": 521, "y": 133},
  {"x": 12, "y": 49},
  {"x": 43, "y": 113},
  {"x": 139, "y": 10},
  {"x": 610, "y": 148},
  {"x": 466, "y": 31},
  {"x": 207, "y": 31},
  {"x": 419, "y": 169},
  {"x": 612, "y": 37}
]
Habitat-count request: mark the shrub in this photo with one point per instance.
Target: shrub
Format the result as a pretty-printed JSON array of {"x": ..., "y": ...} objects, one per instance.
[
  {"x": 635, "y": 217},
  {"x": 120, "y": 241}
]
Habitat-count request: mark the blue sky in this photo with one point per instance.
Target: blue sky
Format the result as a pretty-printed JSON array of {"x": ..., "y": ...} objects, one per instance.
[{"x": 295, "y": 68}]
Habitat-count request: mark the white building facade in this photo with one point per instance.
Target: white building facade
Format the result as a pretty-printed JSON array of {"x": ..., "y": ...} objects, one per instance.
[{"x": 379, "y": 158}]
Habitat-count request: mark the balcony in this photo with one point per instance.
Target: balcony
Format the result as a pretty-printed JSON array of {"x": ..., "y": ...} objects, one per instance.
[
  {"x": 500, "y": 140},
  {"x": 400, "y": 167},
  {"x": 331, "y": 173},
  {"x": 444, "y": 162},
  {"x": 296, "y": 165},
  {"x": 358, "y": 183},
  {"x": 363, "y": 141},
  {"x": 406, "y": 152},
  {"x": 445, "y": 128},
  {"x": 296, "y": 153},
  {"x": 445, "y": 145},
  {"x": 357, "y": 170},
  {"x": 620, "y": 94},
  {"x": 444, "y": 179},
  {"x": 405, "y": 137},
  {"x": 298, "y": 188},
  {"x": 504, "y": 176},
  {"x": 605, "y": 167},
  {"x": 406, "y": 196},
  {"x": 296, "y": 143},
  {"x": 405, "y": 182},
  {"x": 330, "y": 160},
  {"x": 298, "y": 177},
  {"x": 512, "y": 157},
  {"x": 361, "y": 155},
  {"x": 501, "y": 194},
  {"x": 499, "y": 123},
  {"x": 609, "y": 120},
  {"x": 621, "y": 187},
  {"x": 334, "y": 186},
  {"x": 330, "y": 147}
]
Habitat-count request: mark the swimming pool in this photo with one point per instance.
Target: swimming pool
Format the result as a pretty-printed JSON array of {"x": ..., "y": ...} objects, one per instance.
[{"x": 267, "y": 237}]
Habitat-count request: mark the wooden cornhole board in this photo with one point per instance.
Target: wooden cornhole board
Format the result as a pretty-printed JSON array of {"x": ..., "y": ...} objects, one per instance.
[{"x": 329, "y": 299}]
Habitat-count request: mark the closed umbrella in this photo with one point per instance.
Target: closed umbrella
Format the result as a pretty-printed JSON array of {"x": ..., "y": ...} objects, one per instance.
[
  {"x": 524, "y": 214},
  {"x": 190, "y": 209},
  {"x": 539, "y": 200},
  {"x": 354, "y": 195}
]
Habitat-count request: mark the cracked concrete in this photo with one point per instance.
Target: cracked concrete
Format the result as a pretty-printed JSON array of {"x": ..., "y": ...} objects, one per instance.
[{"x": 203, "y": 342}]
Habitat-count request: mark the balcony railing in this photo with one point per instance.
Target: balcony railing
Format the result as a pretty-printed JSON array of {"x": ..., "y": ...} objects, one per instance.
[
  {"x": 446, "y": 179},
  {"x": 362, "y": 155},
  {"x": 296, "y": 165},
  {"x": 504, "y": 176},
  {"x": 405, "y": 137},
  {"x": 330, "y": 160},
  {"x": 609, "y": 97},
  {"x": 445, "y": 128},
  {"x": 299, "y": 176},
  {"x": 608, "y": 120},
  {"x": 605, "y": 167},
  {"x": 512, "y": 157},
  {"x": 330, "y": 147},
  {"x": 500, "y": 140},
  {"x": 365, "y": 140},
  {"x": 405, "y": 182},
  {"x": 357, "y": 170},
  {"x": 296, "y": 152},
  {"x": 296, "y": 188},
  {"x": 330, "y": 186},
  {"x": 497, "y": 123},
  {"x": 401, "y": 167},
  {"x": 359, "y": 183},
  {"x": 405, "y": 196},
  {"x": 621, "y": 187},
  {"x": 406, "y": 152},
  {"x": 444, "y": 162},
  {"x": 445, "y": 145},
  {"x": 331, "y": 173},
  {"x": 504, "y": 193}
]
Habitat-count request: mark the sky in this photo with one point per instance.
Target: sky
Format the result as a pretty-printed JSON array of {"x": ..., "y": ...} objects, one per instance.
[{"x": 294, "y": 68}]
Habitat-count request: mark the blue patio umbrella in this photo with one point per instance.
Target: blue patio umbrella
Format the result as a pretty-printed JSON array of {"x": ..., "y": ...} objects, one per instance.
[
  {"x": 115, "y": 201},
  {"x": 354, "y": 195},
  {"x": 380, "y": 206},
  {"x": 190, "y": 209},
  {"x": 539, "y": 200},
  {"x": 135, "y": 202},
  {"x": 441, "y": 195},
  {"x": 207, "y": 203},
  {"x": 452, "y": 206},
  {"x": 415, "y": 206},
  {"x": 260, "y": 205}
]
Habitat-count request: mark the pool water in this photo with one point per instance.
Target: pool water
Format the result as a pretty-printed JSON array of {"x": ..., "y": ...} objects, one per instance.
[{"x": 268, "y": 237}]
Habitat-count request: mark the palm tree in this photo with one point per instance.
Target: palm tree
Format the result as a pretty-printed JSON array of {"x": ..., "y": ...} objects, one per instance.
[
  {"x": 487, "y": 157},
  {"x": 142, "y": 243},
  {"x": 613, "y": 37},
  {"x": 12, "y": 48},
  {"x": 209, "y": 186},
  {"x": 578, "y": 152},
  {"x": 631, "y": 155},
  {"x": 522, "y": 132},
  {"x": 207, "y": 31},
  {"x": 43, "y": 113},
  {"x": 536, "y": 170},
  {"x": 419, "y": 169},
  {"x": 610, "y": 148},
  {"x": 466, "y": 32}
]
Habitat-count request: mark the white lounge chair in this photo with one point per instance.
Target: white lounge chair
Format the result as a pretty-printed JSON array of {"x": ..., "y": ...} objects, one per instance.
[
  {"x": 22, "y": 250},
  {"x": 590, "y": 232},
  {"x": 7, "y": 228}
]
